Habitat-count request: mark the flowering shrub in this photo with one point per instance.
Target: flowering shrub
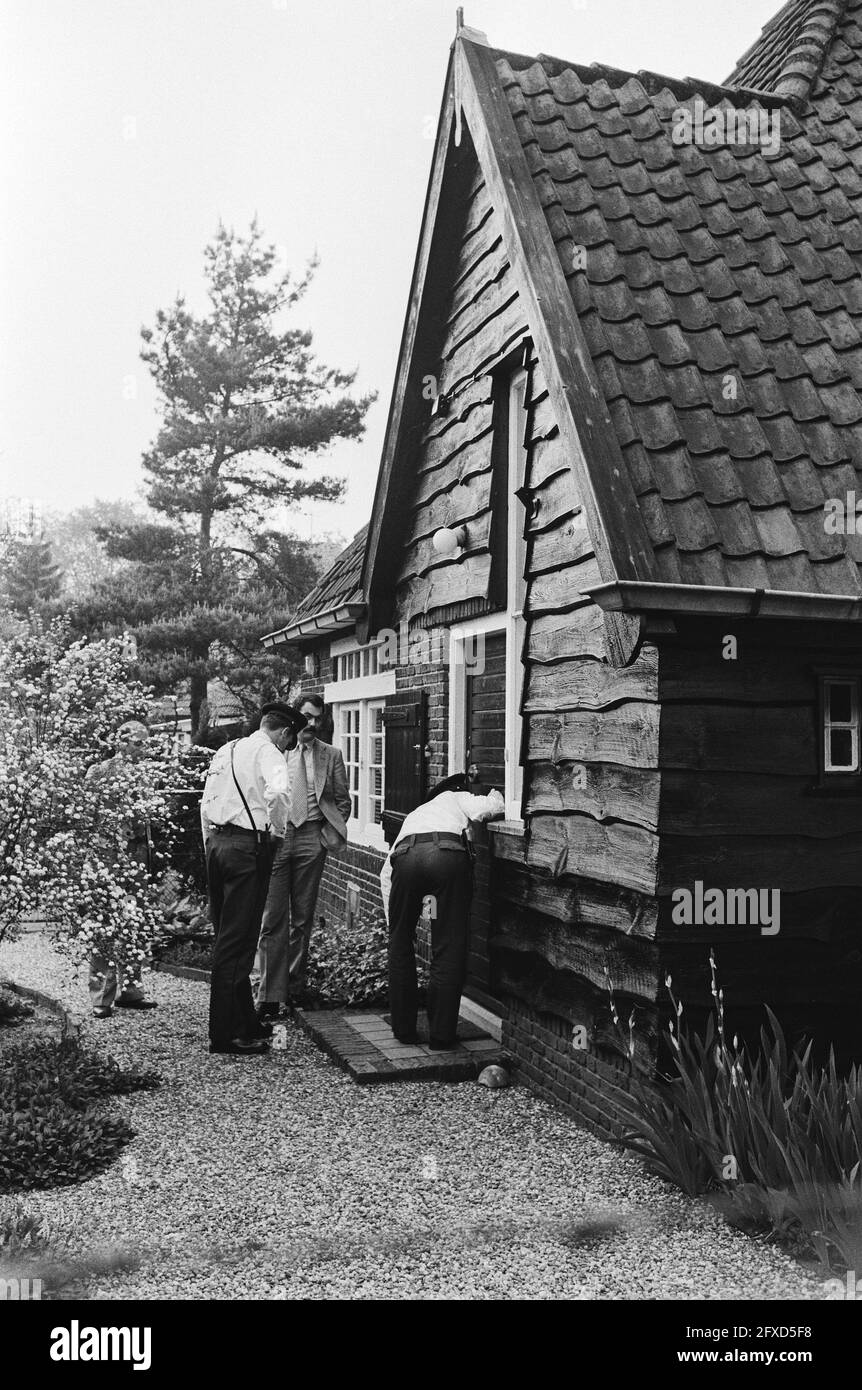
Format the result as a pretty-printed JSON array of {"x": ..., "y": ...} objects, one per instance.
[
  {"x": 64, "y": 835},
  {"x": 349, "y": 962}
]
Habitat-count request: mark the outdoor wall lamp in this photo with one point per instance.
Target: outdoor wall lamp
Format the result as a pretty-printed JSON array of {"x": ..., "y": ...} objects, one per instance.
[
  {"x": 311, "y": 663},
  {"x": 448, "y": 542}
]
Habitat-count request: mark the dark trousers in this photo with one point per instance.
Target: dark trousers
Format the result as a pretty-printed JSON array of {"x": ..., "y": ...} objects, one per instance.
[
  {"x": 445, "y": 872},
  {"x": 289, "y": 915},
  {"x": 238, "y": 878}
]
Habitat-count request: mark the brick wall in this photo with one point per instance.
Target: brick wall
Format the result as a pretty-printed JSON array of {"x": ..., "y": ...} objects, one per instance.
[
  {"x": 360, "y": 865},
  {"x": 584, "y": 1085}
]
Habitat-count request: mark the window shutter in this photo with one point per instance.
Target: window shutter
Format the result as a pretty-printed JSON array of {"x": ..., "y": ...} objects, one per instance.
[{"x": 404, "y": 726}]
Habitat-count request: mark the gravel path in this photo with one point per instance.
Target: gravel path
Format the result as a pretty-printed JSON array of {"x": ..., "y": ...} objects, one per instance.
[{"x": 281, "y": 1178}]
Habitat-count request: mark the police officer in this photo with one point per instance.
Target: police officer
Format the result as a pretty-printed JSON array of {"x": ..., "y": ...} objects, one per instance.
[
  {"x": 105, "y": 992},
  {"x": 244, "y": 815},
  {"x": 431, "y": 857}
]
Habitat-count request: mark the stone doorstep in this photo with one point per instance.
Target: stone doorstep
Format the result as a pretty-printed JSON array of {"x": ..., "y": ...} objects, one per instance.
[{"x": 367, "y": 1061}]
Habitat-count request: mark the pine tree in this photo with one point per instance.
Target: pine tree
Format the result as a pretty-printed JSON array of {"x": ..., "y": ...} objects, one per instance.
[
  {"x": 31, "y": 578},
  {"x": 245, "y": 407}
]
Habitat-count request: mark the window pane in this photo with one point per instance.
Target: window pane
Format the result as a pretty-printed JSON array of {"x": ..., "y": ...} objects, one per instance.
[
  {"x": 840, "y": 702},
  {"x": 841, "y": 748},
  {"x": 375, "y": 764}
]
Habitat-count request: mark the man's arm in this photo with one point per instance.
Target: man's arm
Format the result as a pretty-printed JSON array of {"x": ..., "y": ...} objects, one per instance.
[
  {"x": 386, "y": 884},
  {"x": 481, "y": 807},
  {"x": 339, "y": 784},
  {"x": 276, "y": 796}
]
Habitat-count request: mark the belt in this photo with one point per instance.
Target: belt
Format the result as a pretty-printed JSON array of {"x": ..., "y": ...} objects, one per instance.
[
  {"x": 435, "y": 835},
  {"x": 233, "y": 830}
]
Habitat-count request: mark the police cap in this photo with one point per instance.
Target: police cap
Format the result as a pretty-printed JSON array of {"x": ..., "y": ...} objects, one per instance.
[{"x": 292, "y": 718}]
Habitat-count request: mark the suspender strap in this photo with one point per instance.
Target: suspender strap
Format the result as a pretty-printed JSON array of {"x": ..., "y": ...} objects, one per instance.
[{"x": 261, "y": 834}]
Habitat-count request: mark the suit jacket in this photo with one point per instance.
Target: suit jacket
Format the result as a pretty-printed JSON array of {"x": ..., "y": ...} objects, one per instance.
[{"x": 330, "y": 785}]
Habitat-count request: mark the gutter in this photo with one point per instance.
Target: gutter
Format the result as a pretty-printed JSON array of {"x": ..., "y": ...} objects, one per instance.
[
  {"x": 634, "y": 596},
  {"x": 332, "y": 620}
]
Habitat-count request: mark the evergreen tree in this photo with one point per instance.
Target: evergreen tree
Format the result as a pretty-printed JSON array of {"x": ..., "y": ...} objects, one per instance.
[
  {"x": 30, "y": 576},
  {"x": 245, "y": 408}
]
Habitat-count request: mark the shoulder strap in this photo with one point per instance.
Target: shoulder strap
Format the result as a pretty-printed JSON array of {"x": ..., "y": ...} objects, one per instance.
[{"x": 239, "y": 788}]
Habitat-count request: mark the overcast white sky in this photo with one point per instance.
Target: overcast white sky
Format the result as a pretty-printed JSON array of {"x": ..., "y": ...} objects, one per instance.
[{"x": 131, "y": 126}]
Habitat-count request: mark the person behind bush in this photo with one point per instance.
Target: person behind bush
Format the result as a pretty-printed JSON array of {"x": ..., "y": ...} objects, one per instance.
[
  {"x": 431, "y": 857},
  {"x": 132, "y": 738}
]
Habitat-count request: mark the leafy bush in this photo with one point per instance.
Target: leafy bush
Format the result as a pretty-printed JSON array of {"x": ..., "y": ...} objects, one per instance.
[
  {"x": 348, "y": 961},
  {"x": 775, "y": 1136},
  {"x": 13, "y": 1009},
  {"x": 197, "y": 954},
  {"x": 52, "y": 1129},
  {"x": 22, "y": 1230}
]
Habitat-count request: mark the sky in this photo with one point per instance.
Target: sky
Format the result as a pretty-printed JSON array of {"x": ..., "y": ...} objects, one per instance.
[{"x": 132, "y": 127}]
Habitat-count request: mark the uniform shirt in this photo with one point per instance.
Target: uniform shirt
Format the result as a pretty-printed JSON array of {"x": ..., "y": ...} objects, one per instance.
[
  {"x": 449, "y": 813},
  {"x": 261, "y": 772}
]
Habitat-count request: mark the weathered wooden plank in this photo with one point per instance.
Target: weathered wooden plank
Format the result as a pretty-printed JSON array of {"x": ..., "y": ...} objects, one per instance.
[
  {"x": 482, "y": 338},
  {"x": 473, "y": 392},
  {"x": 601, "y": 790},
  {"x": 627, "y": 734},
  {"x": 631, "y": 961},
  {"x": 548, "y": 460},
  {"x": 442, "y": 457},
  {"x": 543, "y": 422},
  {"x": 755, "y": 803},
  {"x": 554, "y": 637},
  {"x": 789, "y": 863},
  {"x": 422, "y": 557},
  {"x": 449, "y": 584},
  {"x": 612, "y": 853},
  {"x": 461, "y": 502},
  {"x": 559, "y": 590},
  {"x": 563, "y": 544},
  {"x": 489, "y": 277},
  {"x": 553, "y": 499},
  {"x": 759, "y": 675},
  {"x": 745, "y": 738},
  {"x": 580, "y": 902},
  {"x": 585, "y": 683}
]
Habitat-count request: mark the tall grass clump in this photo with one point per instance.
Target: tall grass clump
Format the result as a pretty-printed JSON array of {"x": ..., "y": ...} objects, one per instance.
[{"x": 774, "y": 1138}]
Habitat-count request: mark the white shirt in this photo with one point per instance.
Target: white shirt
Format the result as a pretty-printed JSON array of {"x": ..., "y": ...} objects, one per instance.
[
  {"x": 448, "y": 813},
  {"x": 261, "y": 772}
]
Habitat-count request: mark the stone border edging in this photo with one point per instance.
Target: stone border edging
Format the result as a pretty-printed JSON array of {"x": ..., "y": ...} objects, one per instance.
[
  {"x": 72, "y": 1022},
  {"x": 181, "y": 972}
]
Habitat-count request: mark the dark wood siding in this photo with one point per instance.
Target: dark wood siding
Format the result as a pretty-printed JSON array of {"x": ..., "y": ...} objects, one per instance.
[
  {"x": 453, "y": 457},
  {"x": 740, "y": 808},
  {"x": 578, "y": 900}
]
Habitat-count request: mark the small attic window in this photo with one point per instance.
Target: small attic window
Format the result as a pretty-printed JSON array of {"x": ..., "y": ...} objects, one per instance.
[{"x": 840, "y": 707}]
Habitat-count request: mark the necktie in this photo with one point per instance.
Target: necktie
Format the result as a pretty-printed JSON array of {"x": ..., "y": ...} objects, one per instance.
[{"x": 299, "y": 808}]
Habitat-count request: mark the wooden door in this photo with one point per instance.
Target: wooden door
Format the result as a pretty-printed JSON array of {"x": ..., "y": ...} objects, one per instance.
[
  {"x": 485, "y": 712},
  {"x": 404, "y": 728}
]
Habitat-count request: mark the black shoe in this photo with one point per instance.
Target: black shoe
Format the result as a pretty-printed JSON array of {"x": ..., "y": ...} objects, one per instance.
[
  {"x": 136, "y": 1003},
  {"x": 268, "y": 1011},
  {"x": 437, "y": 1044},
  {"x": 242, "y": 1047},
  {"x": 406, "y": 1037},
  {"x": 102, "y": 1011}
]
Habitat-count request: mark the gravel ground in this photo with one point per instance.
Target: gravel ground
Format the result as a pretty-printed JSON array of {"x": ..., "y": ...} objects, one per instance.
[{"x": 281, "y": 1178}]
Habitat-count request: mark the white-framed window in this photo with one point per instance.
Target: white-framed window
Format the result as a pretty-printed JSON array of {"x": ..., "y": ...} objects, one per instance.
[
  {"x": 357, "y": 695},
  {"x": 841, "y": 724}
]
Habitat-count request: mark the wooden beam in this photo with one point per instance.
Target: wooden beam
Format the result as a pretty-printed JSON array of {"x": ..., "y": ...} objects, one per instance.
[
  {"x": 396, "y": 421},
  {"x": 617, "y": 528}
]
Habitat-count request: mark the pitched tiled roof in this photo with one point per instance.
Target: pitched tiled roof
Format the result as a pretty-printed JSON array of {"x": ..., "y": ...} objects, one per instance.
[
  {"x": 340, "y": 585},
  {"x": 790, "y": 51},
  {"x": 721, "y": 301}
]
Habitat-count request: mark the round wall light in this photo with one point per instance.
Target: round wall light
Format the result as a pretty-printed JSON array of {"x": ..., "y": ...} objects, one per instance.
[{"x": 448, "y": 542}]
